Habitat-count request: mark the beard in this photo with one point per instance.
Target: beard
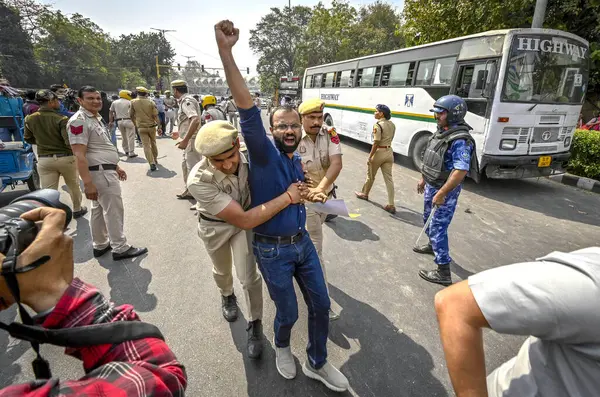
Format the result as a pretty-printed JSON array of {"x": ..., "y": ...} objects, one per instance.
[{"x": 286, "y": 147}]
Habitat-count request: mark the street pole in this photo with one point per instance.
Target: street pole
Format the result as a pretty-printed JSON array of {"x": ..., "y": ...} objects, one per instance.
[
  {"x": 157, "y": 75},
  {"x": 540, "y": 12}
]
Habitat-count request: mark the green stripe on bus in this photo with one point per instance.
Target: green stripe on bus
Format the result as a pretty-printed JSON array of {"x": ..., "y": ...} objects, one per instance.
[{"x": 398, "y": 115}]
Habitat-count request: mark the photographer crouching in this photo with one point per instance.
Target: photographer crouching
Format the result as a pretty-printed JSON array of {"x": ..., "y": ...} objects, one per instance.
[{"x": 121, "y": 355}]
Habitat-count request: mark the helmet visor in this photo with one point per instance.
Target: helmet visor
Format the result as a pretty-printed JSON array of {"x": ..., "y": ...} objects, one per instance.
[{"x": 437, "y": 109}]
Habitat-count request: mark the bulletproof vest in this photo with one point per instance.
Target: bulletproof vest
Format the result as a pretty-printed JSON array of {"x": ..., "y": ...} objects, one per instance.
[{"x": 433, "y": 169}]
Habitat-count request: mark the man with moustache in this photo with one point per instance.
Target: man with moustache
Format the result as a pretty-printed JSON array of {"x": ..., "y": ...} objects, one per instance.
[{"x": 282, "y": 246}]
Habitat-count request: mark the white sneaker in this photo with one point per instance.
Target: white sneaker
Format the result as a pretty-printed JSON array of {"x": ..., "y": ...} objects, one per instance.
[
  {"x": 329, "y": 375},
  {"x": 284, "y": 361},
  {"x": 333, "y": 315}
]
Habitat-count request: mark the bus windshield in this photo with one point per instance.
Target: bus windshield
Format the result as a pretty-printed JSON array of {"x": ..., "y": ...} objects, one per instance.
[{"x": 546, "y": 69}]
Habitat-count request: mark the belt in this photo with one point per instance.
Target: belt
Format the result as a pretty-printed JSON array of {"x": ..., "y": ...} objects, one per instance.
[
  {"x": 383, "y": 147},
  {"x": 110, "y": 167},
  {"x": 123, "y": 119},
  {"x": 261, "y": 238},
  {"x": 55, "y": 155},
  {"x": 206, "y": 218}
]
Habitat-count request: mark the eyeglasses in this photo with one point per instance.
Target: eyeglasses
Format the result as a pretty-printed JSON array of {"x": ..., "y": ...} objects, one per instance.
[{"x": 285, "y": 127}]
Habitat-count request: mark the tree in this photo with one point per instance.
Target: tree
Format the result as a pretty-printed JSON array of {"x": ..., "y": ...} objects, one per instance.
[
  {"x": 17, "y": 63},
  {"x": 377, "y": 30},
  {"x": 275, "y": 39}
]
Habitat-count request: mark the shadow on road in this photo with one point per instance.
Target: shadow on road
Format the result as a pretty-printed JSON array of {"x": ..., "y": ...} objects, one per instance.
[
  {"x": 460, "y": 271},
  {"x": 82, "y": 239},
  {"x": 135, "y": 160},
  {"x": 162, "y": 172},
  {"x": 129, "y": 282},
  {"x": 551, "y": 199},
  {"x": 10, "y": 350},
  {"x": 352, "y": 230},
  {"x": 389, "y": 363}
]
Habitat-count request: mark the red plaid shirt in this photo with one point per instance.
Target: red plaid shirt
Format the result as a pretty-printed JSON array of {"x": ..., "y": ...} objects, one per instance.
[{"x": 144, "y": 367}]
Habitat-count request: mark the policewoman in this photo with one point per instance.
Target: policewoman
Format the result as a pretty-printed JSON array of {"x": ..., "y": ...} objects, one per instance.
[{"x": 449, "y": 156}]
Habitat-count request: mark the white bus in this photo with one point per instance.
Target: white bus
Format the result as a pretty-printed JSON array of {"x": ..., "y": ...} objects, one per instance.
[{"x": 524, "y": 89}]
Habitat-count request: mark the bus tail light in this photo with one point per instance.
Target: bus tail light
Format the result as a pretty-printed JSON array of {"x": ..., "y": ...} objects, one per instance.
[
  {"x": 503, "y": 119},
  {"x": 568, "y": 141},
  {"x": 508, "y": 144}
]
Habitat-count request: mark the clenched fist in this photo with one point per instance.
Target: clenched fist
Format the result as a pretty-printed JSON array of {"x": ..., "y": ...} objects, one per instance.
[{"x": 226, "y": 34}]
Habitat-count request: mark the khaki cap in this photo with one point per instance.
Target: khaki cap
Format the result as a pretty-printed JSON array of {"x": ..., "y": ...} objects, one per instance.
[
  {"x": 215, "y": 138},
  {"x": 178, "y": 83},
  {"x": 311, "y": 106},
  {"x": 142, "y": 89}
]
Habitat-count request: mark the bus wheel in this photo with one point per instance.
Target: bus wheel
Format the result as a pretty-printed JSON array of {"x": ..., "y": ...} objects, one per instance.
[
  {"x": 329, "y": 120},
  {"x": 418, "y": 150}
]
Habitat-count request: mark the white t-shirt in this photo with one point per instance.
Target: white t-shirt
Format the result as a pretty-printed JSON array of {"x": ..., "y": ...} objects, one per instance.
[
  {"x": 556, "y": 300},
  {"x": 121, "y": 108}
]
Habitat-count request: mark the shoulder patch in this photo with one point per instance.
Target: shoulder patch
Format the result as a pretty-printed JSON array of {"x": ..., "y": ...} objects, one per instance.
[
  {"x": 331, "y": 131},
  {"x": 206, "y": 176},
  {"x": 76, "y": 126}
]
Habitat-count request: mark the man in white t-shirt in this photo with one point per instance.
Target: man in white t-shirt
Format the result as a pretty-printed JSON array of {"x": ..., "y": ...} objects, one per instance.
[{"x": 554, "y": 299}]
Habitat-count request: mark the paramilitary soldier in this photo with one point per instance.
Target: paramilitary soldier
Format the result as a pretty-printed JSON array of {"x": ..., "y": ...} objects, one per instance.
[
  {"x": 321, "y": 155},
  {"x": 449, "y": 156},
  {"x": 219, "y": 183}
]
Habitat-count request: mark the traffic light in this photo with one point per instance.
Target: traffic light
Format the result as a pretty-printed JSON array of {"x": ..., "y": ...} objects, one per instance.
[
  {"x": 247, "y": 70},
  {"x": 178, "y": 66},
  {"x": 202, "y": 67}
]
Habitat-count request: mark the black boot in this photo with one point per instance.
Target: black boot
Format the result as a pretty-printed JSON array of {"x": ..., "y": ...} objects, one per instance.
[
  {"x": 424, "y": 249},
  {"x": 229, "y": 307},
  {"x": 255, "y": 339},
  {"x": 440, "y": 276}
]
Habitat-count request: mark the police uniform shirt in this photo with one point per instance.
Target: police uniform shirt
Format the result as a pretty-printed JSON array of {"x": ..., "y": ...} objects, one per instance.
[
  {"x": 315, "y": 155},
  {"x": 170, "y": 103},
  {"x": 143, "y": 111},
  {"x": 212, "y": 114},
  {"x": 384, "y": 131},
  {"x": 458, "y": 156},
  {"x": 555, "y": 300},
  {"x": 213, "y": 191},
  {"x": 188, "y": 108},
  {"x": 86, "y": 129},
  {"x": 121, "y": 108}
]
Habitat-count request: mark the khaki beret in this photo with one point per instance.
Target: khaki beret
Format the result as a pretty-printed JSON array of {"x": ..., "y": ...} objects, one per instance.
[
  {"x": 215, "y": 138},
  {"x": 311, "y": 106},
  {"x": 45, "y": 95},
  {"x": 178, "y": 83},
  {"x": 141, "y": 89}
]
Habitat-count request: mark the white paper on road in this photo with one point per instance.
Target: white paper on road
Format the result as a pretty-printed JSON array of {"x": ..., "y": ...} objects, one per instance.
[{"x": 334, "y": 207}]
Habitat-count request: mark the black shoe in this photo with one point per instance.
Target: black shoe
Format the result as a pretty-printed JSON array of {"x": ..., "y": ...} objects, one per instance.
[
  {"x": 80, "y": 213},
  {"x": 255, "y": 339},
  {"x": 152, "y": 167},
  {"x": 132, "y": 252},
  {"x": 99, "y": 253},
  {"x": 439, "y": 276},
  {"x": 330, "y": 217},
  {"x": 424, "y": 249},
  {"x": 229, "y": 307}
]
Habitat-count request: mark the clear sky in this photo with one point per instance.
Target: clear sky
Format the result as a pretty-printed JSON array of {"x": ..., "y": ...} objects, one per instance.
[{"x": 193, "y": 21}]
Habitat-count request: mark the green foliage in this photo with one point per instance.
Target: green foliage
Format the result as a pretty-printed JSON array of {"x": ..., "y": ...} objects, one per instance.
[{"x": 585, "y": 154}]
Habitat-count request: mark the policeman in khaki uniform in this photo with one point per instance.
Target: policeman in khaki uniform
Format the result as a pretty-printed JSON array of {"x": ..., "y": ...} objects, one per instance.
[
  {"x": 97, "y": 161},
  {"x": 321, "y": 154},
  {"x": 188, "y": 120},
  {"x": 144, "y": 114},
  {"x": 381, "y": 156},
  {"x": 219, "y": 183}
]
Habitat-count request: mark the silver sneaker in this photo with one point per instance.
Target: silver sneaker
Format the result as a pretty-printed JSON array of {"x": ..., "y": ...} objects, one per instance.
[
  {"x": 333, "y": 315},
  {"x": 329, "y": 375},
  {"x": 284, "y": 360}
]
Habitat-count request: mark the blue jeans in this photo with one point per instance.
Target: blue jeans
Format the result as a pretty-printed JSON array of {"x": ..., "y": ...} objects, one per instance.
[
  {"x": 279, "y": 265},
  {"x": 113, "y": 134},
  {"x": 438, "y": 228}
]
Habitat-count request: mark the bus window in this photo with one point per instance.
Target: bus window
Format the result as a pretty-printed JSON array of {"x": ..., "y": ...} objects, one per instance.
[
  {"x": 337, "y": 79},
  {"x": 351, "y": 81},
  {"x": 399, "y": 75},
  {"x": 385, "y": 75},
  {"x": 366, "y": 77},
  {"x": 308, "y": 82},
  {"x": 425, "y": 73},
  {"x": 377, "y": 76},
  {"x": 411, "y": 73},
  {"x": 323, "y": 79},
  {"x": 345, "y": 79},
  {"x": 329, "y": 80},
  {"x": 443, "y": 71},
  {"x": 316, "y": 82}
]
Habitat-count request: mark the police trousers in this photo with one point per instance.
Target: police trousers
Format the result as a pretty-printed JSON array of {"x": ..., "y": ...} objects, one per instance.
[
  {"x": 438, "y": 228},
  {"x": 127, "y": 130},
  {"x": 384, "y": 159},
  {"x": 314, "y": 227},
  {"x": 233, "y": 119},
  {"x": 107, "y": 213},
  {"x": 170, "y": 115},
  {"x": 234, "y": 251},
  {"x": 190, "y": 158},
  {"x": 148, "y": 136},
  {"x": 52, "y": 168}
]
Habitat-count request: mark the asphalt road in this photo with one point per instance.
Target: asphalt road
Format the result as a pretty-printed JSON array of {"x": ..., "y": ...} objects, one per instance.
[{"x": 386, "y": 341}]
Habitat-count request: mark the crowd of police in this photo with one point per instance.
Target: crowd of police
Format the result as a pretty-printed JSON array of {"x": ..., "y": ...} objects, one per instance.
[{"x": 250, "y": 198}]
